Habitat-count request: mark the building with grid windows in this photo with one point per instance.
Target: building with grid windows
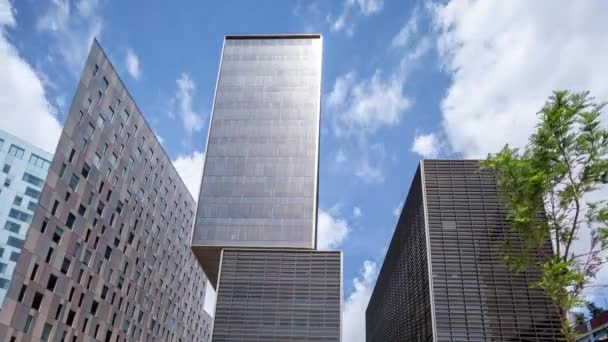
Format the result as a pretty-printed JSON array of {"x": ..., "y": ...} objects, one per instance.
[
  {"x": 107, "y": 255},
  {"x": 24, "y": 169},
  {"x": 443, "y": 277},
  {"x": 255, "y": 230}
]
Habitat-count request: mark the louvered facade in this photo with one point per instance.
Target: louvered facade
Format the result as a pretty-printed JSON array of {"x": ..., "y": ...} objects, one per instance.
[{"x": 463, "y": 292}]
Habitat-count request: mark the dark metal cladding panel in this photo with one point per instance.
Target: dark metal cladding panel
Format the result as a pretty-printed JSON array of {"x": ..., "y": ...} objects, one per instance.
[
  {"x": 107, "y": 256},
  {"x": 399, "y": 308},
  {"x": 279, "y": 295},
  {"x": 476, "y": 297}
]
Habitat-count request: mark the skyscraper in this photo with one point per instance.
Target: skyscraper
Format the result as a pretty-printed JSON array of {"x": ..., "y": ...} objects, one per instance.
[
  {"x": 255, "y": 231},
  {"x": 24, "y": 168},
  {"x": 443, "y": 277},
  {"x": 107, "y": 255}
]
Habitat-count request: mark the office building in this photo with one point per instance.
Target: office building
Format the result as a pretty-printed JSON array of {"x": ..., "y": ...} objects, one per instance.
[
  {"x": 255, "y": 230},
  {"x": 443, "y": 277},
  {"x": 107, "y": 255},
  {"x": 24, "y": 168}
]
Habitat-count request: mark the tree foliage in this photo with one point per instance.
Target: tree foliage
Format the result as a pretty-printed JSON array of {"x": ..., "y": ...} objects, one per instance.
[
  {"x": 548, "y": 186},
  {"x": 595, "y": 310}
]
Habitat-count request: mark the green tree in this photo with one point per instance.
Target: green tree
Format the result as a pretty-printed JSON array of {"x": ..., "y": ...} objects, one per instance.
[
  {"x": 579, "y": 318},
  {"x": 594, "y": 310},
  {"x": 547, "y": 186}
]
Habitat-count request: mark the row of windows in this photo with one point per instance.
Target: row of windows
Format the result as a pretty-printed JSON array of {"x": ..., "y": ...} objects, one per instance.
[{"x": 97, "y": 224}]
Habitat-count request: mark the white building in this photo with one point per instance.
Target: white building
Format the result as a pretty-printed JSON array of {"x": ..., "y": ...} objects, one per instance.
[{"x": 23, "y": 169}]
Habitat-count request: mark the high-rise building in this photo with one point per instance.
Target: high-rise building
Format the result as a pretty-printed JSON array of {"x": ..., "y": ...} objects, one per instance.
[
  {"x": 24, "y": 169},
  {"x": 255, "y": 231},
  {"x": 444, "y": 278},
  {"x": 107, "y": 255}
]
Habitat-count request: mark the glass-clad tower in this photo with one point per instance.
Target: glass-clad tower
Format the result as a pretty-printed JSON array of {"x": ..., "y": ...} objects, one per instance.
[
  {"x": 24, "y": 169},
  {"x": 443, "y": 278},
  {"x": 255, "y": 230}
]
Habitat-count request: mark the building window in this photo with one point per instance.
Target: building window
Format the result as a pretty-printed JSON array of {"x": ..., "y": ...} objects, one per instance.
[
  {"x": 50, "y": 285},
  {"x": 62, "y": 170},
  {"x": 12, "y": 227},
  {"x": 31, "y": 205},
  {"x": 77, "y": 250},
  {"x": 4, "y": 283},
  {"x": 94, "y": 306},
  {"x": 82, "y": 210},
  {"x": 6, "y": 169},
  {"x": 65, "y": 266},
  {"x": 17, "y": 201},
  {"x": 70, "y": 320},
  {"x": 37, "y": 301},
  {"x": 72, "y": 154},
  {"x": 33, "y": 179},
  {"x": 7, "y": 182},
  {"x": 39, "y": 161},
  {"x": 105, "y": 84},
  {"x": 85, "y": 170},
  {"x": 125, "y": 115},
  {"x": 100, "y": 121},
  {"x": 74, "y": 182},
  {"x": 20, "y": 215},
  {"x": 89, "y": 132},
  {"x": 108, "y": 253},
  {"x": 46, "y": 332},
  {"x": 16, "y": 151},
  {"x": 70, "y": 221},
  {"x": 57, "y": 235},
  {"x": 96, "y": 160},
  {"x": 2, "y": 267},
  {"x": 32, "y": 193},
  {"x": 28, "y": 324},
  {"x": 87, "y": 257},
  {"x": 113, "y": 159},
  {"x": 95, "y": 70},
  {"x": 100, "y": 207}
]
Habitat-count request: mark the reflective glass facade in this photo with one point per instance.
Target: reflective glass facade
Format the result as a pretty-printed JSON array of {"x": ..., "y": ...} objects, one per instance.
[
  {"x": 259, "y": 186},
  {"x": 463, "y": 292}
]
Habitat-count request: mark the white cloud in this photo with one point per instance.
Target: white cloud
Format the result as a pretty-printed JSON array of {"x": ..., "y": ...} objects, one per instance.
[
  {"x": 502, "y": 74},
  {"x": 72, "y": 33},
  {"x": 87, "y": 7},
  {"x": 332, "y": 231},
  {"x": 192, "y": 120},
  {"x": 132, "y": 62},
  {"x": 408, "y": 31},
  {"x": 365, "y": 105},
  {"x": 398, "y": 208},
  {"x": 341, "y": 156},
  {"x": 24, "y": 108},
  {"x": 426, "y": 145},
  {"x": 190, "y": 169},
  {"x": 351, "y": 10},
  {"x": 353, "y": 328},
  {"x": 357, "y": 212},
  {"x": 370, "y": 173}
]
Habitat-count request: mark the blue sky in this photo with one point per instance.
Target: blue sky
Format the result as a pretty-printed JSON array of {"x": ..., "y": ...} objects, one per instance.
[{"x": 402, "y": 80}]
